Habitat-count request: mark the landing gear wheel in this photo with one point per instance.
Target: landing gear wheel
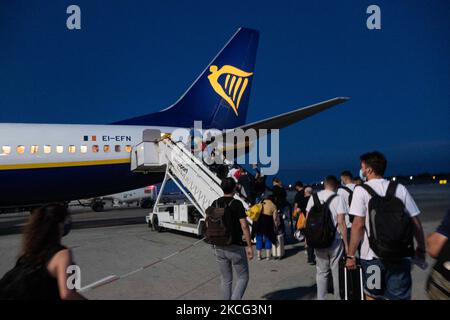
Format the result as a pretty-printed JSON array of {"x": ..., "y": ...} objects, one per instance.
[
  {"x": 146, "y": 204},
  {"x": 98, "y": 207}
]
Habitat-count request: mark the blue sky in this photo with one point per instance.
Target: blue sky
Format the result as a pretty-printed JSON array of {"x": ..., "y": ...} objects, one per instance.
[{"x": 135, "y": 57}]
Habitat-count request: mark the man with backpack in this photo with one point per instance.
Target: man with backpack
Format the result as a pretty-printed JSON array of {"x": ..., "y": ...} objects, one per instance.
[
  {"x": 386, "y": 220},
  {"x": 346, "y": 191},
  {"x": 327, "y": 234},
  {"x": 225, "y": 225}
]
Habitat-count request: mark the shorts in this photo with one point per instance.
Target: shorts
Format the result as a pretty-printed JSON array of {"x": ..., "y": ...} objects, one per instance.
[{"x": 389, "y": 280}]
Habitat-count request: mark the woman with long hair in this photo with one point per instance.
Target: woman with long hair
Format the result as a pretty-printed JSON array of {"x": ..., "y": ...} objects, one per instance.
[{"x": 41, "y": 270}]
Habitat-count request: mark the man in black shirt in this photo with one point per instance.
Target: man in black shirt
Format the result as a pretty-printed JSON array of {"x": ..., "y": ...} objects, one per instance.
[
  {"x": 279, "y": 194},
  {"x": 299, "y": 200},
  {"x": 246, "y": 183},
  {"x": 259, "y": 184},
  {"x": 235, "y": 255}
]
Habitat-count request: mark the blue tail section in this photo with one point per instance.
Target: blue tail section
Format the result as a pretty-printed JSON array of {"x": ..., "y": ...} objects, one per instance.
[{"x": 219, "y": 97}]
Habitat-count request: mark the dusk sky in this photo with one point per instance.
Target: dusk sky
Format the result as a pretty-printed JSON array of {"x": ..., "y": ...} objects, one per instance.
[{"x": 135, "y": 57}]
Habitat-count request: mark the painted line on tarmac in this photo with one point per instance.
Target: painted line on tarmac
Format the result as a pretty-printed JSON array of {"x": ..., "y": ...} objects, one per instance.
[
  {"x": 131, "y": 273},
  {"x": 113, "y": 278},
  {"x": 99, "y": 283}
]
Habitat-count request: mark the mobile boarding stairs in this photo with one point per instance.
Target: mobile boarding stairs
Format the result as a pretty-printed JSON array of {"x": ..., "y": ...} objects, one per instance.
[{"x": 158, "y": 153}]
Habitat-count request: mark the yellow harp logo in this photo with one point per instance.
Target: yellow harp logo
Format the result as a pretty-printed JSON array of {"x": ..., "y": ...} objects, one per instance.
[{"x": 236, "y": 82}]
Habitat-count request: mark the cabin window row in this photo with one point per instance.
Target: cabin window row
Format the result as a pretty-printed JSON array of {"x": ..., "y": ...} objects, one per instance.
[{"x": 34, "y": 149}]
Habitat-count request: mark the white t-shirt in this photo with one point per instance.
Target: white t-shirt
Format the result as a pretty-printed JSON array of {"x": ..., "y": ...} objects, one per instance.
[
  {"x": 360, "y": 208},
  {"x": 345, "y": 194},
  {"x": 336, "y": 205}
]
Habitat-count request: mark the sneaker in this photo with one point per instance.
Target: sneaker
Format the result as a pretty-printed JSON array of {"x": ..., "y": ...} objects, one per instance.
[
  {"x": 268, "y": 258},
  {"x": 259, "y": 259}
]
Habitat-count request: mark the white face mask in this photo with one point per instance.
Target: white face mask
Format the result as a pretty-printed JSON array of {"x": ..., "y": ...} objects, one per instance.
[{"x": 361, "y": 175}]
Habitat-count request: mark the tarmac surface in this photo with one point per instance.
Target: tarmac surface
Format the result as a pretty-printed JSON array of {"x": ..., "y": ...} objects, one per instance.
[{"x": 120, "y": 258}]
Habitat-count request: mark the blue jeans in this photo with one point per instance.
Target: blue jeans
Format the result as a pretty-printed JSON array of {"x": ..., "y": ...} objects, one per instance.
[
  {"x": 394, "y": 281},
  {"x": 262, "y": 242}
]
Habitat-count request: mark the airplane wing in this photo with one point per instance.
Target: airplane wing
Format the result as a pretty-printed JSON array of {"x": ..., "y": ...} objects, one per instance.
[
  {"x": 278, "y": 122},
  {"x": 291, "y": 117}
]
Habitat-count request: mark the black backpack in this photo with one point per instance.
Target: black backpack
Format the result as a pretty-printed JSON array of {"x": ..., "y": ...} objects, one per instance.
[
  {"x": 391, "y": 228},
  {"x": 217, "y": 232},
  {"x": 320, "y": 230},
  {"x": 350, "y": 197}
]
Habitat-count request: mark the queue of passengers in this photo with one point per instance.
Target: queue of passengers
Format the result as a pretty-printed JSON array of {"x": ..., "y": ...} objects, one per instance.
[{"x": 349, "y": 206}]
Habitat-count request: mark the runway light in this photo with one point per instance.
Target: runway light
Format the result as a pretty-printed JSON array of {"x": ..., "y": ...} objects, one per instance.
[
  {"x": 434, "y": 177},
  {"x": 442, "y": 181},
  {"x": 321, "y": 182},
  {"x": 394, "y": 178},
  {"x": 410, "y": 178}
]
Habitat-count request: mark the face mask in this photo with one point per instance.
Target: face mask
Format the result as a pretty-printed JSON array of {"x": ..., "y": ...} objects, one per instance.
[
  {"x": 361, "y": 175},
  {"x": 67, "y": 227}
]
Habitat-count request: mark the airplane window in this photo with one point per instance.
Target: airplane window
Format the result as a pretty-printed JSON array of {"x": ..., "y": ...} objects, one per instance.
[
  {"x": 106, "y": 148},
  {"x": 20, "y": 149},
  {"x": 95, "y": 148},
  {"x": 128, "y": 148},
  {"x": 6, "y": 150},
  {"x": 72, "y": 149},
  {"x": 117, "y": 148},
  {"x": 47, "y": 149},
  {"x": 59, "y": 149},
  {"x": 34, "y": 149},
  {"x": 83, "y": 149}
]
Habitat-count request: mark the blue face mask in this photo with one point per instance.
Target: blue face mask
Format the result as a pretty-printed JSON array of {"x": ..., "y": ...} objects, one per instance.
[
  {"x": 67, "y": 227},
  {"x": 361, "y": 175}
]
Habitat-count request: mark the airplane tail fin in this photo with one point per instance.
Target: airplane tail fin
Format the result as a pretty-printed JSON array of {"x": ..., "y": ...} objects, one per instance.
[{"x": 219, "y": 97}]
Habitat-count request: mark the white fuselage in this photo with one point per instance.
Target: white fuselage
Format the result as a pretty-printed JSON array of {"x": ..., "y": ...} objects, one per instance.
[{"x": 42, "y": 163}]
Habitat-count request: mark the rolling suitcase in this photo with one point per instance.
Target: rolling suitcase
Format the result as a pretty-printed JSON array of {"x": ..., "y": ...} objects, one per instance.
[
  {"x": 278, "y": 248},
  {"x": 351, "y": 285}
]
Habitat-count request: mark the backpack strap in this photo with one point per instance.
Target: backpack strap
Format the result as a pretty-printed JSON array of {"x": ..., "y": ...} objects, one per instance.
[
  {"x": 316, "y": 199},
  {"x": 330, "y": 198},
  {"x": 226, "y": 204},
  {"x": 369, "y": 190},
  {"x": 392, "y": 187},
  {"x": 327, "y": 203},
  {"x": 346, "y": 189},
  {"x": 229, "y": 203}
]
